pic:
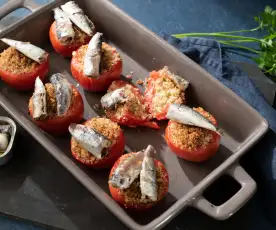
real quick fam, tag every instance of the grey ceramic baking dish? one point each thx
(142, 51)
(6, 156)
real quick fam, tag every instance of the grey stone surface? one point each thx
(34, 186)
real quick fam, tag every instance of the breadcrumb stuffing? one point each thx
(133, 194)
(165, 91)
(13, 61)
(133, 105)
(206, 114)
(51, 102)
(51, 99)
(189, 137)
(105, 127)
(139, 82)
(109, 56)
(80, 36)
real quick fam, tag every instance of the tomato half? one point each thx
(65, 50)
(25, 81)
(119, 196)
(126, 116)
(60, 124)
(102, 82)
(107, 161)
(198, 154)
(164, 96)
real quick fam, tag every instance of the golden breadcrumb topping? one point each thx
(80, 36)
(166, 92)
(189, 137)
(139, 82)
(105, 127)
(13, 61)
(51, 99)
(133, 194)
(133, 105)
(109, 56)
(51, 102)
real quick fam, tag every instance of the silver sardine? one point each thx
(94, 142)
(63, 91)
(31, 51)
(4, 142)
(181, 83)
(39, 100)
(5, 129)
(113, 98)
(148, 183)
(77, 16)
(127, 171)
(64, 27)
(188, 116)
(93, 56)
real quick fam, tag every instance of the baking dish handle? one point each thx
(227, 209)
(12, 5)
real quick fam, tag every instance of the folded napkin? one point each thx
(260, 161)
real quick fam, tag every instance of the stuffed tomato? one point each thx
(97, 143)
(164, 88)
(22, 63)
(192, 133)
(125, 104)
(71, 29)
(138, 181)
(96, 65)
(55, 105)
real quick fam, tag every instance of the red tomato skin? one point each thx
(59, 125)
(119, 198)
(149, 94)
(25, 81)
(64, 50)
(199, 155)
(114, 153)
(129, 119)
(99, 84)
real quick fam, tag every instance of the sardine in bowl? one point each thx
(6, 156)
(187, 181)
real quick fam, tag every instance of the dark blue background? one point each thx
(179, 16)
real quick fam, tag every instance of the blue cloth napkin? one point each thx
(260, 161)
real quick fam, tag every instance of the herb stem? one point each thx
(241, 47)
(216, 35)
(238, 41)
(240, 31)
(265, 55)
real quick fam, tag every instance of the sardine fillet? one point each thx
(94, 142)
(63, 91)
(39, 100)
(188, 116)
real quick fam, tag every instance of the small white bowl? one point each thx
(6, 156)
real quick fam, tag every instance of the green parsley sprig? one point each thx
(266, 55)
